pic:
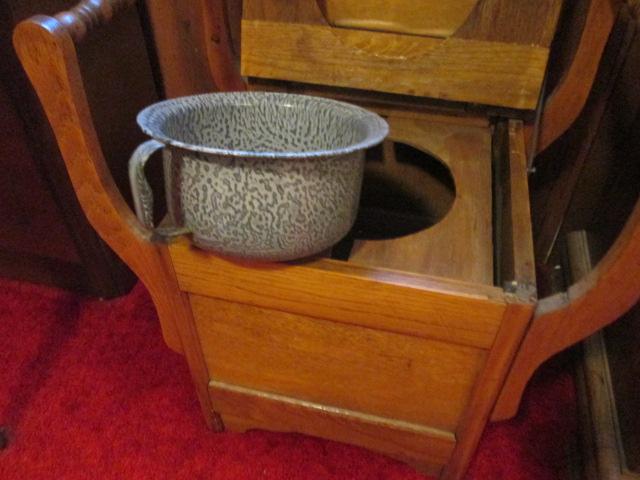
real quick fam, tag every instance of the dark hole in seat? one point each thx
(399, 197)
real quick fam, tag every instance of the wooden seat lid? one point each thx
(492, 52)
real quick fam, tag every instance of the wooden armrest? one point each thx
(45, 46)
(594, 301)
(564, 104)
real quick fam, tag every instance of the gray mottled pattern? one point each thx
(270, 206)
(263, 175)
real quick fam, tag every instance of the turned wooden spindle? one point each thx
(90, 14)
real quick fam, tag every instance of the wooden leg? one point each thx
(486, 390)
(193, 354)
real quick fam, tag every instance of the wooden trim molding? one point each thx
(596, 300)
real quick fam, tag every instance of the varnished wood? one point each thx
(567, 100)
(44, 232)
(388, 105)
(514, 249)
(605, 458)
(365, 351)
(60, 89)
(330, 289)
(491, 73)
(296, 11)
(460, 245)
(487, 387)
(523, 261)
(584, 141)
(513, 21)
(178, 31)
(47, 51)
(623, 358)
(596, 300)
(88, 14)
(431, 17)
(603, 455)
(428, 449)
(223, 64)
(337, 364)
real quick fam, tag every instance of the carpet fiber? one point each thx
(89, 390)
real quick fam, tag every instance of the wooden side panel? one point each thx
(475, 71)
(244, 408)
(380, 373)
(329, 289)
(47, 52)
(46, 48)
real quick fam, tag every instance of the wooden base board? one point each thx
(242, 409)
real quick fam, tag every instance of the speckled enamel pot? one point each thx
(259, 175)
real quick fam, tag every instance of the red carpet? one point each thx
(88, 390)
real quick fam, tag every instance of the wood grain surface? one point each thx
(460, 245)
(330, 363)
(428, 17)
(47, 51)
(515, 263)
(596, 300)
(329, 289)
(487, 387)
(566, 101)
(179, 33)
(243, 409)
(491, 73)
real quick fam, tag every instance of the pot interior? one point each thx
(262, 123)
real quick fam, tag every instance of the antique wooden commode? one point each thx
(406, 343)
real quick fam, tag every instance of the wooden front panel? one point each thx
(243, 409)
(381, 373)
(455, 312)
